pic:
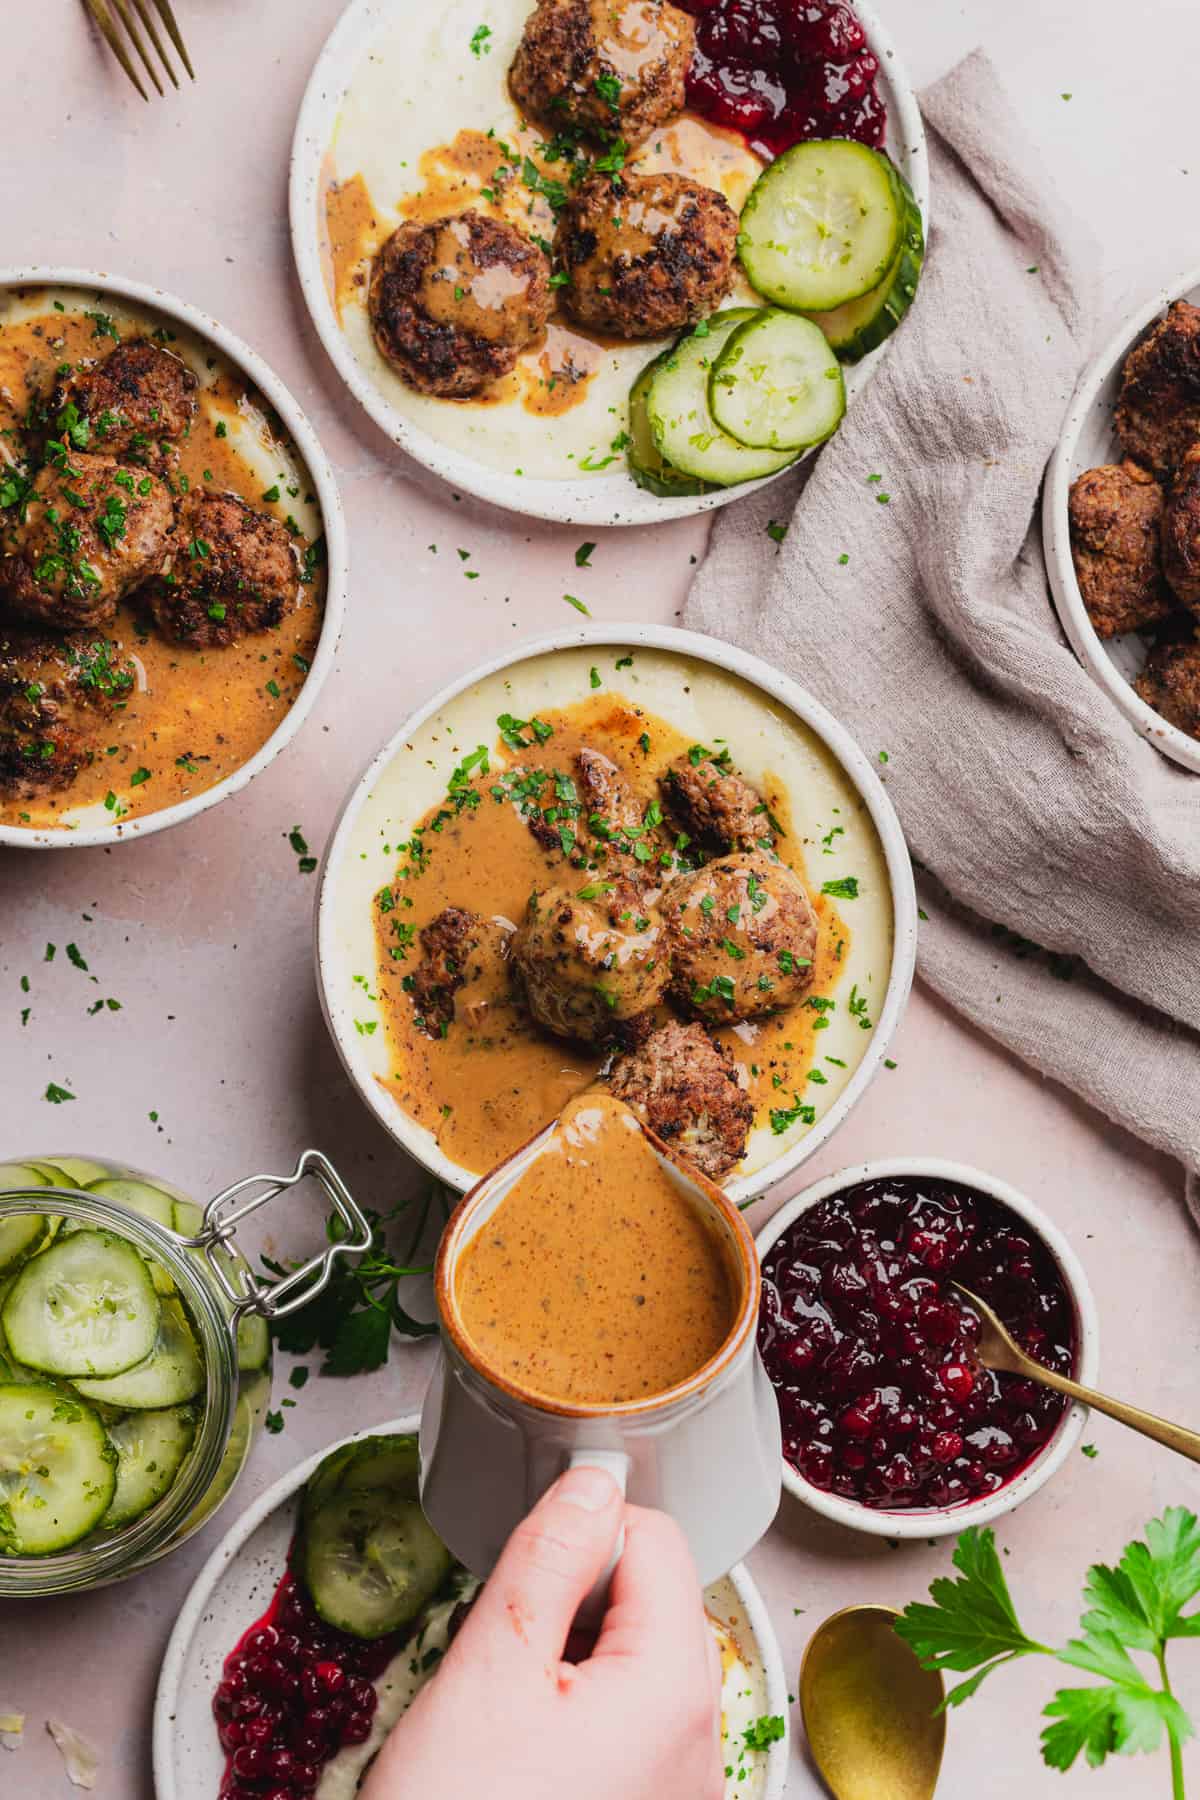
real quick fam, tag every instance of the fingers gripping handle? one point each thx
(616, 1464)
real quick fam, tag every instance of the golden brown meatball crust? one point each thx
(229, 570)
(454, 302)
(55, 692)
(90, 532)
(447, 945)
(645, 255)
(607, 67)
(1170, 683)
(1181, 531)
(136, 399)
(589, 961)
(1115, 514)
(715, 804)
(742, 935)
(685, 1087)
(1158, 412)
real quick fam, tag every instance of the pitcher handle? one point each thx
(616, 1464)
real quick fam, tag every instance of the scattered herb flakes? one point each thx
(845, 888)
(296, 839)
(775, 531)
(299, 1376)
(274, 1422)
(799, 1112)
(764, 1732)
(56, 1094)
(571, 600)
(138, 777)
(922, 914)
(1089, 1450)
(50, 950)
(479, 41)
(583, 556)
(889, 1064)
(843, 559)
(884, 757)
(75, 957)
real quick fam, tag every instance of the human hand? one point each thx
(508, 1719)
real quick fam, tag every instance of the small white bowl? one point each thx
(1088, 440)
(374, 810)
(947, 1521)
(257, 373)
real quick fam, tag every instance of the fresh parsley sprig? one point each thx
(972, 1627)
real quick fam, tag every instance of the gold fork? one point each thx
(124, 10)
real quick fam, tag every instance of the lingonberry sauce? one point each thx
(779, 71)
(871, 1352)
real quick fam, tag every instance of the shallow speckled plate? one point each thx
(606, 499)
(1088, 439)
(237, 1581)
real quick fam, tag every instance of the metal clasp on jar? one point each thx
(224, 1213)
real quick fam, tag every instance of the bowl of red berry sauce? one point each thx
(890, 1425)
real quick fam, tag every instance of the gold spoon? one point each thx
(870, 1710)
(997, 1350)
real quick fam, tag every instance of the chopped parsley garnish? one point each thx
(846, 888)
(571, 600)
(799, 1113)
(511, 730)
(583, 556)
(479, 41)
(56, 1094)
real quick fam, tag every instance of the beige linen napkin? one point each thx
(910, 596)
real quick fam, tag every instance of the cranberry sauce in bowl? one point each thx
(871, 1351)
(779, 71)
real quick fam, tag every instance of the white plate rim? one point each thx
(170, 1679)
(332, 518)
(625, 634)
(612, 500)
(1056, 535)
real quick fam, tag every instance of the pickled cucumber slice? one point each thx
(20, 1232)
(86, 1306)
(58, 1471)
(172, 1373)
(150, 1448)
(685, 433)
(148, 1202)
(79, 1171)
(823, 224)
(777, 384)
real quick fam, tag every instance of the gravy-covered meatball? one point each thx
(133, 400)
(55, 693)
(742, 935)
(715, 804)
(454, 302)
(1158, 412)
(1181, 531)
(607, 67)
(589, 961)
(686, 1089)
(646, 255)
(1170, 683)
(90, 532)
(1116, 514)
(229, 570)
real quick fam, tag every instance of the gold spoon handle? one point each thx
(1175, 1437)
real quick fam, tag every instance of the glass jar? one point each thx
(195, 1260)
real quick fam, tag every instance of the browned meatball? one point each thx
(447, 945)
(453, 303)
(610, 68)
(1170, 683)
(715, 804)
(589, 961)
(55, 693)
(1115, 514)
(90, 532)
(229, 570)
(645, 255)
(128, 404)
(685, 1087)
(742, 935)
(1158, 412)
(1181, 531)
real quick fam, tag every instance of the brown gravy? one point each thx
(596, 1280)
(196, 716)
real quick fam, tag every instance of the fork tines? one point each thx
(110, 31)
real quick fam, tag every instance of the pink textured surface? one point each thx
(203, 934)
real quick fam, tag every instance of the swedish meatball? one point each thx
(607, 67)
(645, 256)
(453, 303)
(1158, 411)
(228, 570)
(1115, 515)
(89, 534)
(1181, 531)
(685, 1087)
(447, 944)
(1170, 683)
(55, 693)
(589, 961)
(715, 804)
(133, 400)
(741, 934)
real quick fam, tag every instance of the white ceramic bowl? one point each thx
(1088, 440)
(613, 499)
(238, 1579)
(938, 1521)
(344, 941)
(256, 371)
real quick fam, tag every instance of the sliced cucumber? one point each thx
(371, 1559)
(85, 1306)
(371, 1463)
(150, 1448)
(859, 327)
(21, 1231)
(685, 432)
(79, 1171)
(648, 468)
(171, 1374)
(58, 1471)
(148, 1202)
(187, 1218)
(253, 1342)
(776, 384)
(822, 225)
